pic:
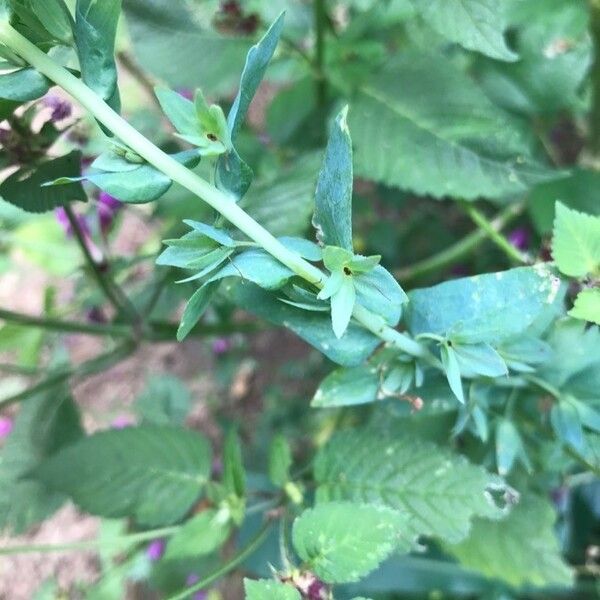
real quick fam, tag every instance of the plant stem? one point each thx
(222, 202)
(460, 249)
(133, 538)
(497, 238)
(594, 117)
(118, 300)
(231, 564)
(320, 19)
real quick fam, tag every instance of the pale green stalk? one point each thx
(217, 199)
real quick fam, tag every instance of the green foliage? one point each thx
(342, 541)
(269, 590)
(165, 400)
(587, 306)
(347, 387)
(128, 472)
(440, 492)
(23, 85)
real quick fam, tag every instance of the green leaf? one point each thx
(201, 535)
(151, 473)
(485, 308)
(576, 242)
(587, 306)
(232, 173)
(55, 17)
(264, 589)
(25, 188)
(95, 34)
(23, 85)
(479, 360)
(474, 24)
(521, 549)
(165, 400)
(422, 125)
(452, 370)
(509, 446)
(46, 423)
(342, 542)
(379, 292)
(333, 200)
(195, 308)
(347, 387)
(440, 491)
(352, 349)
(280, 460)
(234, 474)
(342, 305)
(566, 423)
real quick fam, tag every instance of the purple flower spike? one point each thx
(519, 238)
(108, 207)
(155, 550)
(6, 426)
(61, 217)
(61, 109)
(221, 346)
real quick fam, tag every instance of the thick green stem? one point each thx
(594, 118)
(231, 564)
(488, 228)
(217, 199)
(456, 252)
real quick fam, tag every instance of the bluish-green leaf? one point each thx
(379, 292)
(566, 423)
(342, 306)
(347, 387)
(269, 590)
(509, 446)
(55, 17)
(280, 460)
(479, 359)
(333, 200)
(23, 85)
(234, 474)
(195, 308)
(452, 370)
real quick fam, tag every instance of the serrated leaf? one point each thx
(485, 308)
(232, 173)
(25, 188)
(151, 473)
(342, 541)
(23, 85)
(474, 24)
(165, 400)
(352, 349)
(264, 589)
(521, 549)
(576, 242)
(280, 461)
(347, 387)
(46, 423)
(422, 125)
(95, 35)
(195, 308)
(333, 199)
(440, 491)
(201, 535)
(587, 306)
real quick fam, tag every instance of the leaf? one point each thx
(440, 491)
(201, 535)
(264, 589)
(422, 125)
(95, 34)
(479, 360)
(485, 308)
(347, 387)
(56, 18)
(46, 423)
(333, 200)
(194, 309)
(474, 24)
(165, 400)
(587, 306)
(352, 349)
(509, 446)
(342, 305)
(342, 542)
(151, 473)
(23, 85)
(25, 189)
(234, 474)
(566, 423)
(232, 173)
(280, 461)
(452, 370)
(576, 242)
(521, 549)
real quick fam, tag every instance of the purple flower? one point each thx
(186, 93)
(109, 201)
(155, 550)
(221, 346)
(107, 207)
(122, 422)
(61, 109)
(61, 217)
(6, 426)
(95, 315)
(519, 238)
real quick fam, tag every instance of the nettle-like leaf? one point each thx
(521, 549)
(474, 24)
(263, 589)
(420, 124)
(232, 173)
(45, 424)
(151, 473)
(486, 308)
(131, 182)
(25, 188)
(587, 306)
(165, 400)
(342, 541)
(23, 85)
(441, 492)
(95, 34)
